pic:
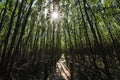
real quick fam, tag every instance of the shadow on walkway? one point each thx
(61, 72)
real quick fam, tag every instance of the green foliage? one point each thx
(94, 2)
(107, 3)
(87, 32)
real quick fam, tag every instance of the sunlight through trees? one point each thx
(34, 34)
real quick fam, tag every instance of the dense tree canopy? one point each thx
(35, 33)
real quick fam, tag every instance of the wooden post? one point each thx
(46, 74)
(71, 70)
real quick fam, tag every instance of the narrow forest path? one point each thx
(62, 72)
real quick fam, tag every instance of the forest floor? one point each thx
(62, 72)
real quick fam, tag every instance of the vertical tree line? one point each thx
(87, 34)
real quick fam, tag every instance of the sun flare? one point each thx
(54, 15)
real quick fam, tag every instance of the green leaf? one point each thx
(93, 1)
(107, 3)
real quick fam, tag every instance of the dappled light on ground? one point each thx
(62, 72)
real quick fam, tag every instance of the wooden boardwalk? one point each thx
(61, 72)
